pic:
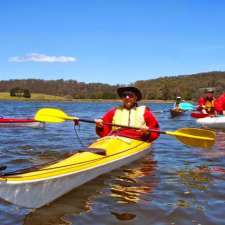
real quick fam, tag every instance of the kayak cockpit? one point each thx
(99, 151)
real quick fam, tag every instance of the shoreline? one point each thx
(80, 100)
(38, 97)
(119, 100)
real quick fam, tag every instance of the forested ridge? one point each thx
(187, 86)
(164, 88)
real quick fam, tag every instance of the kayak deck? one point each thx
(115, 148)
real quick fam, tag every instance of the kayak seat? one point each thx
(99, 151)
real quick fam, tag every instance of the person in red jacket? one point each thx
(206, 104)
(129, 114)
(220, 104)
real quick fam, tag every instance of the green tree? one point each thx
(26, 93)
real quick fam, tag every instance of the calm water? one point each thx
(174, 185)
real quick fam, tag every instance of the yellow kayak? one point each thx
(34, 189)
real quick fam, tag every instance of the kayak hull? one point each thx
(13, 122)
(212, 122)
(38, 188)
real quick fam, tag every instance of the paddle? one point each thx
(190, 136)
(160, 111)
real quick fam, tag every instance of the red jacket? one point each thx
(150, 121)
(220, 103)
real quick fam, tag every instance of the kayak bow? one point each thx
(13, 122)
(198, 115)
(212, 122)
(33, 189)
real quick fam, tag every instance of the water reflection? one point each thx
(136, 183)
(218, 150)
(134, 187)
(73, 203)
(205, 169)
(124, 216)
(128, 185)
(193, 179)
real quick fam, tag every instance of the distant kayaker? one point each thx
(206, 104)
(176, 105)
(220, 104)
(129, 114)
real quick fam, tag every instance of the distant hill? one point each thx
(164, 88)
(187, 86)
(65, 88)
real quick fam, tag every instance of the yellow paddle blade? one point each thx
(194, 137)
(52, 115)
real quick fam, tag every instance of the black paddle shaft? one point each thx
(123, 126)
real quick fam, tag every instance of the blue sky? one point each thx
(110, 41)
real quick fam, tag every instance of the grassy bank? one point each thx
(5, 96)
(34, 97)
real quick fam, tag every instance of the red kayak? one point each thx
(198, 115)
(12, 122)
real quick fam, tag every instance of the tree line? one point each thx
(189, 87)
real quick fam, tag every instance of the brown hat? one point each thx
(133, 90)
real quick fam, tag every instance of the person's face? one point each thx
(129, 100)
(209, 95)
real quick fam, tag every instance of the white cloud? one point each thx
(36, 57)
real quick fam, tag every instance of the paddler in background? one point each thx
(206, 104)
(220, 104)
(176, 105)
(129, 114)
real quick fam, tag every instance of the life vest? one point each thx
(209, 106)
(133, 117)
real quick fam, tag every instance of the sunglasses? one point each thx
(127, 95)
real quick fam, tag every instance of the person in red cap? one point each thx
(129, 114)
(206, 104)
(220, 104)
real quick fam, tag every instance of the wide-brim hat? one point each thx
(134, 90)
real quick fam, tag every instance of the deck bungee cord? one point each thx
(77, 135)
